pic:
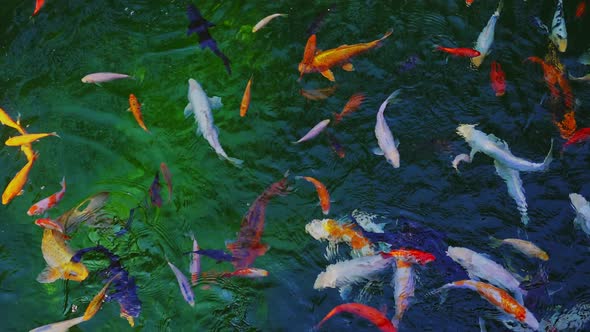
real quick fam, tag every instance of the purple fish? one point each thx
(218, 255)
(103, 77)
(314, 131)
(185, 287)
(200, 26)
(155, 191)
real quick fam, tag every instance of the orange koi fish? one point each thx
(38, 5)
(335, 232)
(459, 51)
(554, 78)
(351, 106)
(27, 139)
(49, 202)
(246, 99)
(15, 187)
(6, 120)
(322, 192)
(371, 314)
(322, 61)
(168, 177)
(96, 303)
(135, 108)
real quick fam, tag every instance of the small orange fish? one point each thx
(38, 6)
(246, 99)
(135, 108)
(468, 2)
(352, 105)
(410, 256)
(6, 120)
(322, 192)
(15, 187)
(371, 314)
(27, 139)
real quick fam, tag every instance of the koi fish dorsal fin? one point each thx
(310, 50)
(328, 74)
(48, 275)
(215, 102)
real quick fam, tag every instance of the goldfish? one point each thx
(246, 99)
(135, 108)
(38, 5)
(97, 78)
(315, 131)
(459, 51)
(154, 191)
(265, 21)
(49, 202)
(322, 61)
(6, 120)
(387, 144)
(168, 177)
(15, 186)
(247, 273)
(318, 94)
(486, 36)
(96, 303)
(351, 106)
(558, 30)
(62, 326)
(27, 149)
(582, 208)
(371, 314)
(500, 299)
(50, 224)
(581, 9)
(498, 79)
(580, 135)
(323, 193)
(195, 264)
(335, 232)
(58, 255)
(27, 138)
(528, 248)
(185, 287)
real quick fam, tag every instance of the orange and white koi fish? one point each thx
(27, 138)
(322, 192)
(249, 272)
(49, 202)
(50, 224)
(335, 232)
(246, 99)
(135, 108)
(499, 298)
(38, 5)
(15, 187)
(371, 314)
(322, 61)
(6, 120)
(58, 255)
(351, 106)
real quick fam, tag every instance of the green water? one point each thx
(102, 148)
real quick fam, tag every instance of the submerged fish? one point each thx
(528, 248)
(154, 191)
(58, 255)
(336, 146)
(103, 77)
(15, 186)
(185, 287)
(387, 144)
(323, 194)
(458, 159)
(352, 271)
(168, 177)
(200, 106)
(246, 99)
(265, 21)
(6, 120)
(96, 303)
(49, 202)
(371, 314)
(558, 30)
(582, 208)
(351, 106)
(135, 108)
(498, 150)
(27, 138)
(581, 9)
(555, 80)
(318, 94)
(317, 23)
(498, 79)
(313, 132)
(200, 26)
(459, 51)
(486, 37)
(218, 255)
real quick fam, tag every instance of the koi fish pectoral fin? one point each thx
(48, 275)
(328, 74)
(377, 151)
(348, 67)
(188, 110)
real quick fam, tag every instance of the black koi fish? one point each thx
(200, 26)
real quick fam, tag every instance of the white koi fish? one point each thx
(558, 31)
(387, 144)
(265, 21)
(200, 105)
(352, 271)
(515, 189)
(498, 149)
(480, 267)
(486, 37)
(62, 326)
(404, 284)
(582, 207)
(185, 286)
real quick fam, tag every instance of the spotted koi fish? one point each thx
(49, 202)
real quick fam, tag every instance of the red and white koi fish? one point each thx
(49, 202)
(371, 314)
(195, 264)
(323, 193)
(249, 272)
(50, 224)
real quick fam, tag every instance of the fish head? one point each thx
(85, 79)
(318, 229)
(578, 201)
(466, 131)
(75, 271)
(463, 256)
(392, 157)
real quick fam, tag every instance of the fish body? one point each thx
(200, 105)
(458, 159)
(404, 284)
(500, 299)
(15, 186)
(515, 189)
(498, 150)
(195, 264)
(97, 301)
(185, 287)
(135, 108)
(352, 271)
(498, 79)
(262, 23)
(323, 193)
(27, 138)
(200, 26)
(528, 248)
(103, 77)
(6, 120)
(248, 247)
(322, 61)
(247, 273)
(478, 266)
(582, 134)
(218, 255)
(62, 326)
(246, 99)
(154, 191)
(58, 255)
(558, 30)
(168, 177)
(555, 80)
(49, 224)
(459, 51)
(582, 208)
(313, 132)
(351, 106)
(373, 315)
(38, 5)
(486, 37)
(49, 202)
(335, 232)
(387, 144)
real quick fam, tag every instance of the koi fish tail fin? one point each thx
(441, 291)
(337, 118)
(387, 34)
(236, 162)
(548, 158)
(48, 275)
(499, 9)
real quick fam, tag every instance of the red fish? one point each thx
(351, 106)
(498, 79)
(371, 314)
(323, 194)
(336, 146)
(168, 177)
(581, 135)
(410, 256)
(460, 51)
(49, 202)
(38, 6)
(468, 2)
(555, 79)
(581, 9)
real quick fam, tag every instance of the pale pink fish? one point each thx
(314, 131)
(59, 327)
(185, 287)
(195, 264)
(103, 77)
(49, 202)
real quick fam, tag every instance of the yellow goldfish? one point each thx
(96, 303)
(27, 138)
(57, 255)
(15, 187)
(6, 120)
(322, 61)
